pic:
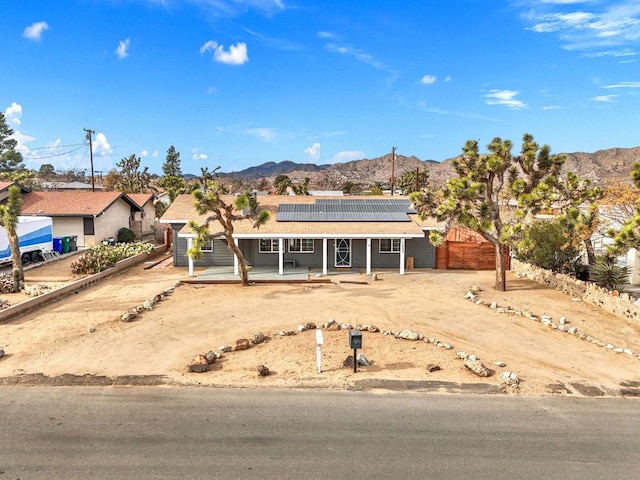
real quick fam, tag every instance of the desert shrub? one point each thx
(125, 235)
(102, 257)
(547, 244)
(605, 273)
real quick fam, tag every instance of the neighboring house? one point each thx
(73, 186)
(322, 233)
(89, 216)
(143, 222)
(4, 190)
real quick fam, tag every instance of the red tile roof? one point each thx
(141, 198)
(69, 203)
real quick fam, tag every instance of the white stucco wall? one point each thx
(69, 226)
(113, 219)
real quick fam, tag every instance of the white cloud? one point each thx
(236, 55)
(313, 152)
(144, 153)
(13, 113)
(505, 98)
(447, 78)
(604, 98)
(199, 156)
(266, 134)
(347, 156)
(359, 55)
(428, 80)
(607, 24)
(155, 153)
(123, 48)
(330, 35)
(101, 146)
(624, 85)
(35, 30)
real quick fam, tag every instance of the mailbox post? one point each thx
(319, 342)
(355, 342)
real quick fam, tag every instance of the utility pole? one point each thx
(93, 179)
(393, 169)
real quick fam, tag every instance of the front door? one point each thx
(343, 252)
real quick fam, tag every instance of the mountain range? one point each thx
(603, 167)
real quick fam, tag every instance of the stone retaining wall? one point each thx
(621, 304)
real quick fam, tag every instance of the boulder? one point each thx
(432, 367)
(241, 344)
(263, 371)
(128, 317)
(408, 335)
(211, 356)
(476, 366)
(258, 338)
(362, 360)
(199, 364)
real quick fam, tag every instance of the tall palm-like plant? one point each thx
(9, 220)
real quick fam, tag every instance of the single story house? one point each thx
(143, 222)
(323, 233)
(4, 190)
(89, 216)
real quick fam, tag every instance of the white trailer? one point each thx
(35, 236)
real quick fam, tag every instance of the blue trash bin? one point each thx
(57, 245)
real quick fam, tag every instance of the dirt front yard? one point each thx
(82, 334)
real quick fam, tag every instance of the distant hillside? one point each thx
(602, 167)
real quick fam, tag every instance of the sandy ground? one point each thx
(82, 334)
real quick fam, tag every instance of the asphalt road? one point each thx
(208, 433)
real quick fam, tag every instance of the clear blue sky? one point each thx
(237, 83)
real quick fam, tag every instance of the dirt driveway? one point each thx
(82, 335)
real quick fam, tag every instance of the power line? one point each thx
(63, 153)
(57, 146)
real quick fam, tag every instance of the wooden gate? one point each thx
(468, 256)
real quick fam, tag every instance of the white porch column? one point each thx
(189, 245)
(236, 266)
(368, 256)
(324, 256)
(281, 256)
(402, 256)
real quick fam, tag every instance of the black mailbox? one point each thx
(355, 339)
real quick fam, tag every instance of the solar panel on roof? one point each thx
(349, 211)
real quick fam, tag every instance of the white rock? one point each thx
(618, 349)
(573, 330)
(628, 351)
(500, 364)
(563, 320)
(301, 328)
(493, 305)
(461, 354)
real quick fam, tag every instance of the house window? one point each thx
(207, 246)
(389, 245)
(268, 245)
(301, 245)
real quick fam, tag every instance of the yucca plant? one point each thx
(605, 273)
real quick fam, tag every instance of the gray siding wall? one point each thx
(221, 254)
(423, 253)
(312, 260)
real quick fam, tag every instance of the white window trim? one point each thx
(301, 240)
(273, 243)
(208, 242)
(393, 241)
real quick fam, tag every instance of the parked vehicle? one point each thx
(35, 236)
